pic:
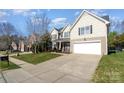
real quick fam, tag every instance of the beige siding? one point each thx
(99, 28)
(103, 44)
(67, 29)
(54, 32)
(99, 31)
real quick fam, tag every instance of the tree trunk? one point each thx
(35, 50)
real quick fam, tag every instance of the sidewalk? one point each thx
(1, 76)
(14, 54)
(21, 75)
(22, 64)
(2, 79)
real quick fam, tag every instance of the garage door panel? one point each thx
(87, 48)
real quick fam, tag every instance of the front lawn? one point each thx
(110, 69)
(5, 52)
(4, 66)
(2, 52)
(37, 58)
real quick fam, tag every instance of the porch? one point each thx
(62, 45)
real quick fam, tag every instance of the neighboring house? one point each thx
(14, 46)
(31, 40)
(61, 39)
(87, 35)
(21, 46)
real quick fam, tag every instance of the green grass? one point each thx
(37, 58)
(110, 69)
(4, 65)
(3, 52)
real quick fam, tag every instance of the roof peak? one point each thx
(94, 15)
(91, 14)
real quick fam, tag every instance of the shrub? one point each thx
(41, 47)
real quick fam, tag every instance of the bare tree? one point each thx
(7, 29)
(122, 26)
(38, 25)
(16, 39)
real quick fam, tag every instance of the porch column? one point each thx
(53, 45)
(60, 45)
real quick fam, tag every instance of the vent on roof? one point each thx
(106, 17)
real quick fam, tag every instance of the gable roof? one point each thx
(53, 29)
(59, 30)
(95, 16)
(65, 27)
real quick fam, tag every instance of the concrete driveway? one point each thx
(71, 68)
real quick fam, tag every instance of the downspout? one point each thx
(107, 27)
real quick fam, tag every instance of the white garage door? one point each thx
(91, 47)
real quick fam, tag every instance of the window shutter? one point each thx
(78, 31)
(91, 29)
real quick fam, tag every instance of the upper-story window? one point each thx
(61, 35)
(54, 37)
(66, 34)
(85, 30)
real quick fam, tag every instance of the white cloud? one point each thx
(99, 12)
(2, 14)
(59, 22)
(33, 13)
(23, 12)
(76, 13)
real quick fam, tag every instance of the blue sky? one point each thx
(58, 17)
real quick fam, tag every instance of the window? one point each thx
(66, 34)
(88, 30)
(81, 31)
(85, 30)
(61, 34)
(54, 37)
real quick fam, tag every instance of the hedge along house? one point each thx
(87, 35)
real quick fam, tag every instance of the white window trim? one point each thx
(85, 31)
(66, 34)
(54, 37)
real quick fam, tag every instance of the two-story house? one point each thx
(61, 39)
(87, 35)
